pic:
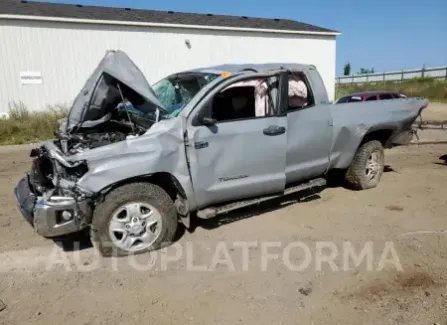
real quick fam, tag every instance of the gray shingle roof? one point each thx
(32, 8)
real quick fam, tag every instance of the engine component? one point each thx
(82, 142)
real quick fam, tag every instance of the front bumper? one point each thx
(26, 199)
(45, 214)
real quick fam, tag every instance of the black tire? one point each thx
(356, 176)
(143, 192)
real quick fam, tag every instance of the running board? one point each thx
(211, 212)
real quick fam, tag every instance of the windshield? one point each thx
(175, 91)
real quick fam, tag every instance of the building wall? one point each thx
(66, 53)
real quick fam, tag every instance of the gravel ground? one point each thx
(402, 221)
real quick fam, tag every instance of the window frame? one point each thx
(205, 103)
(310, 94)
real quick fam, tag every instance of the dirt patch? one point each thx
(394, 208)
(395, 285)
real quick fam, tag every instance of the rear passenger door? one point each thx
(309, 137)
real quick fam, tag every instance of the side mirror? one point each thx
(204, 115)
(208, 121)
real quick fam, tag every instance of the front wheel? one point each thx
(134, 218)
(367, 166)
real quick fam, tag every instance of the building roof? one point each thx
(73, 11)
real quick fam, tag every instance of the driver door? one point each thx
(237, 158)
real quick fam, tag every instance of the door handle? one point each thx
(200, 144)
(274, 130)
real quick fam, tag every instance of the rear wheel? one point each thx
(134, 218)
(367, 166)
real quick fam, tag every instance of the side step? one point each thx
(211, 212)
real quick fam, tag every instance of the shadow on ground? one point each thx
(256, 210)
(74, 242)
(444, 159)
(81, 240)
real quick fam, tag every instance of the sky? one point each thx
(381, 34)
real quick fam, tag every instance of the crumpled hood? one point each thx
(118, 65)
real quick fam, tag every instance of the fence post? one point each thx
(423, 71)
(445, 72)
(402, 75)
(384, 77)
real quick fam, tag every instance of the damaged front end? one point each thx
(102, 133)
(115, 104)
(48, 196)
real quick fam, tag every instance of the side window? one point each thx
(386, 96)
(300, 92)
(252, 98)
(371, 98)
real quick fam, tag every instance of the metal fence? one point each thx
(436, 72)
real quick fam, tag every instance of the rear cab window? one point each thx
(299, 91)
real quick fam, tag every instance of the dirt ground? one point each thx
(435, 112)
(402, 221)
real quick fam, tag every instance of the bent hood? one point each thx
(118, 65)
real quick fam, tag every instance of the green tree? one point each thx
(347, 69)
(366, 71)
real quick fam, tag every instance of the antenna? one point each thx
(125, 108)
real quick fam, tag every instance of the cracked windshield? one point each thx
(177, 91)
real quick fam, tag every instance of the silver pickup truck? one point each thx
(132, 161)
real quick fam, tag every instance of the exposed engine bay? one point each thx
(108, 133)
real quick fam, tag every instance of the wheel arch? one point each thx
(168, 182)
(353, 144)
(383, 135)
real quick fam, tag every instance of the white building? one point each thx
(48, 50)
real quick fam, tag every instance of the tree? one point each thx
(366, 71)
(347, 69)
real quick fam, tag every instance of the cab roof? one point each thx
(235, 68)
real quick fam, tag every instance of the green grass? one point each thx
(433, 89)
(24, 126)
